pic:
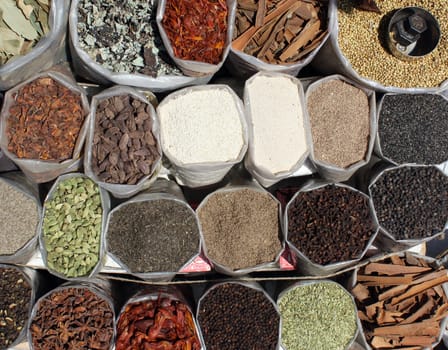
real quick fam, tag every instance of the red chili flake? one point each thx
(197, 29)
(44, 122)
(161, 324)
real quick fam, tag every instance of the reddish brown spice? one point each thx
(196, 28)
(72, 318)
(161, 324)
(45, 120)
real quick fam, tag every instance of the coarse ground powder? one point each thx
(359, 42)
(201, 126)
(153, 236)
(278, 139)
(19, 217)
(240, 228)
(412, 128)
(340, 123)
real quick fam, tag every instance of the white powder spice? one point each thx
(278, 134)
(201, 126)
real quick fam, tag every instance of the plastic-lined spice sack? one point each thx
(158, 318)
(154, 235)
(119, 43)
(412, 128)
(278, 136)
(402, 302)
(411, 203)
(277, 35)
(203, 132)
(44, 124)
(17, 294)
(33, 38)
(123, 149)
(236, 315)
(72, 227)
(400, 46)
(20, 212)
(329, 227)
(242, 231)
(74, 316)
(197, 34)
(342, 120)
(317, 315)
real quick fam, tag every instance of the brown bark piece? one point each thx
(388, 269)
(388, 317)
(361, 292)
(418, 328)
(419, 288)
(306, 35)
(261, 13)
(396, 260)
(385, 280)
(381, 343)
(243, 39)
(424, 310)
(420, 340)
(306, 11)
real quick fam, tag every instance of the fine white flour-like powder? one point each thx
(278, 135)
(201, 126)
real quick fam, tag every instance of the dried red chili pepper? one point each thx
(161, 324)
(197, 29)
(44, 121)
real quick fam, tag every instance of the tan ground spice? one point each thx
(241, 228)
(340, 125)
(358, 41)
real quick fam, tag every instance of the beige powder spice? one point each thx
(340, 125)
(240, 228)
(359, 43)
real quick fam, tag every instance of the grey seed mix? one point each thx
(72, 227)
(340, 123)
(412, 128)
(153, 236)
(359, 43)
(240, 228)
(122, 36)
(317, 316)
(19, 218)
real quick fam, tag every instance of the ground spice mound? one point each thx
(359, 43)
(241, 228)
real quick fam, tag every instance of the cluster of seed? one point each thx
(411, 202)
(235, 317)
(317, 316)
(72, 227)
(360, 43)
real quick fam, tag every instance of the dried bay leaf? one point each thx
(26, 9)
(16, 20)
(10, 42)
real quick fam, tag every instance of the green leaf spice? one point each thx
(72, 227)
(22, 24)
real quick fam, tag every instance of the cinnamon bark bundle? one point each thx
(280, 32)
(401, 302)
